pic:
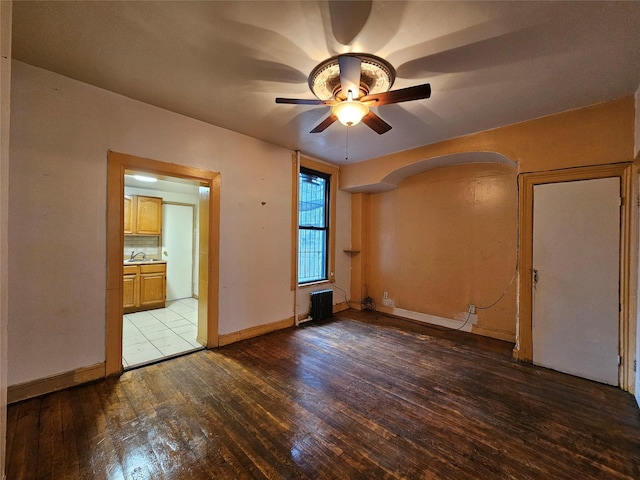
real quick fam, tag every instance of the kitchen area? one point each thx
(159, 269)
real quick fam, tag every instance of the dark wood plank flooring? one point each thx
(362, 397)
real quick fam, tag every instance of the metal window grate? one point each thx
(313, 226)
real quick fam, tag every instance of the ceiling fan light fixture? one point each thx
(350, 113)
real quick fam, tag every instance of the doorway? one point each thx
(627, 280)
(576, 268)
(208, 225)
(168, 328)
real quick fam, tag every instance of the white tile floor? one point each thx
(152, 335)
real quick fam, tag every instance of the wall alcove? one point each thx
(440, 234)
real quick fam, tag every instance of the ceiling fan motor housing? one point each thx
(376, 76)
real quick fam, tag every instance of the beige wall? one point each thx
(598, 134)
(61, 132)
(5, 96)
(444, 239)
(594, 135)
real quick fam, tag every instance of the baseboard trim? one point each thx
(340, 307)
(498, 334)
(42, 386)
(459, 323)
(430, 319)
(228, 338)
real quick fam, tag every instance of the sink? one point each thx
(142, 260)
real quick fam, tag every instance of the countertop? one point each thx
(143, 262)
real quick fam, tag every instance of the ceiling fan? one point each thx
(352, 83)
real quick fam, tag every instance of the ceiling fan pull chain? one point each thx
(346, 150)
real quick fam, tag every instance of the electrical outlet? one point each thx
(472, 309)
(385, 295)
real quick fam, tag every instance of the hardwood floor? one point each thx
(347, 399)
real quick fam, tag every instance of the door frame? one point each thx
(628, 275)
(117, 165)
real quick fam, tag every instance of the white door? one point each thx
(177, 249)
(576, 261)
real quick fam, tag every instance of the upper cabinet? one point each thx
(128, 214)
(149, 216)
(142, 215)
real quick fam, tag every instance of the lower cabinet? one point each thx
(144, 287)
(153, 285)
(131, 287)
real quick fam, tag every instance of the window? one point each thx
(313, 226)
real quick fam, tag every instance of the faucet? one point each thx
(134, 255)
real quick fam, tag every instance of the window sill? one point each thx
(314, 284)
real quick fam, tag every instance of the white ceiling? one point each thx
(488, 63)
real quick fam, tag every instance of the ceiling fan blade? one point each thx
(375, 123)
(416, 92)
(350, 74)
(322, 126)
(301, 101)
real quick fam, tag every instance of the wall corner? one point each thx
(5, 98)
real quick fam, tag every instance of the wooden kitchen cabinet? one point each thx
(153, 285)
(131, 287)
(149, 216)
(128, 214)
(144, 287)
(142, 215)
